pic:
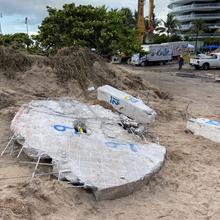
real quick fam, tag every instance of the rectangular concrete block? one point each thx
(206, 128)
(127, 104)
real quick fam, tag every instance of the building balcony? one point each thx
(207, 35)
(191, 17)
(176, 2)
(196, 7)
(189, 26)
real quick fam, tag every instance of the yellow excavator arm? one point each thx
(140, 22)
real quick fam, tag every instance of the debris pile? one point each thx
(74, 72)
(91, 146)
(90, 70)
(87, 146)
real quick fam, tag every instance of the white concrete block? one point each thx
(204, 127)
(127, 104)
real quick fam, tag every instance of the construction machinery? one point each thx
(141, 23)
(151, 17)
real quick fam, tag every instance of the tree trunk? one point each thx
(196, 49)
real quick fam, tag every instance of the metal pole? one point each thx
(26, 22)
(0, 23)
(20, 151)
(12, 138)
(35, 169)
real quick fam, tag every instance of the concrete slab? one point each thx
(204, 127)
(87, 146)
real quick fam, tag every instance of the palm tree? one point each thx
(197, 28)
(170, 26)
(156, 23)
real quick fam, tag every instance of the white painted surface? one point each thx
(106, 159)
(127, 104)
(204, 127)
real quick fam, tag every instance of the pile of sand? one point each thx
(70, 72)
(87, 68)
(6, 99)
(13, 61)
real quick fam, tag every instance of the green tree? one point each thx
(170, 25)
(17, 40)
(21, 40)
(129, 18)
(163, 38)
(197, 28)
(93, 27)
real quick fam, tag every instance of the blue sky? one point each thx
(15, 11)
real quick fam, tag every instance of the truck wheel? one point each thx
(143, 64)
(205, 66)
(196, 67)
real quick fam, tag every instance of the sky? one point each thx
(15, 11)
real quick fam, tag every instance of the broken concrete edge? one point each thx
(127, 189)
(205, 127)
(105, 194)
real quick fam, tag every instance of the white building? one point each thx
(186, 11)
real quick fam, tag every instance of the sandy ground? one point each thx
(188, 186)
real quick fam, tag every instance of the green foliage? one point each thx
(17, 40)
(198, 26)
(170, 26)
(163, 38)
(93, 27)
(210, 41)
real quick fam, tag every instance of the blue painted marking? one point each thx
(114, 101)
(116, 145)
(133, 99)
(216, 123)
(63, 128)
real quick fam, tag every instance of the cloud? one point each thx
(35, 10)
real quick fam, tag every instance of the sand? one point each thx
(186, 188)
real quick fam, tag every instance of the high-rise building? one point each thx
(186, 11)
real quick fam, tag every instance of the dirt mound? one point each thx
(87, 68)
(13, 61)
(39, 199)
(6, 99)
(70, 73)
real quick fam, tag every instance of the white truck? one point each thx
(206, 62)
(178, 48)
(155, 54)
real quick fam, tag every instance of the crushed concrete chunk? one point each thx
(204, 127)
(127, 104)
(87, 146)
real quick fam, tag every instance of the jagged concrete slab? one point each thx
(206, 128)
(87, 146)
